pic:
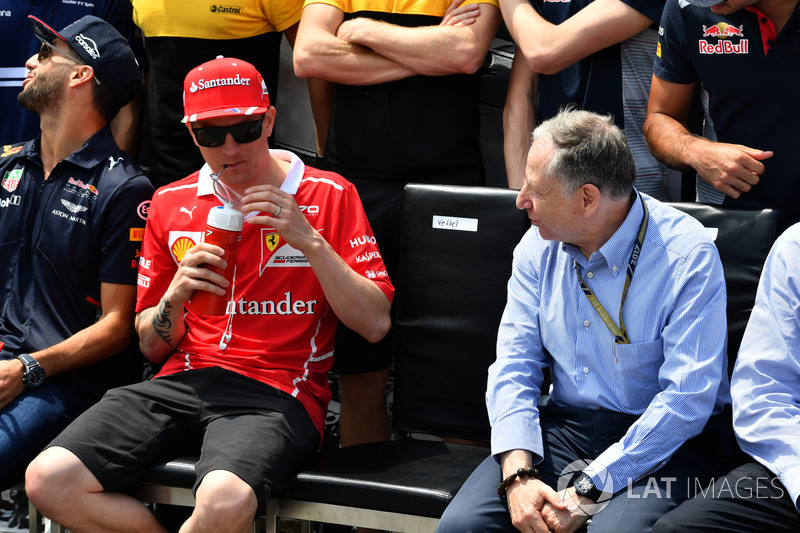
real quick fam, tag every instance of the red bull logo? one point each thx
(729, 31)
(713, 31)
(723, 30)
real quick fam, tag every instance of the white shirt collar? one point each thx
(205, 185)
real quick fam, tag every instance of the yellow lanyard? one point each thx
(620, 333)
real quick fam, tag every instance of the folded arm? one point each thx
(550, 48)
(546, 48)
(364, 51)
(320, 53)
(428, 50)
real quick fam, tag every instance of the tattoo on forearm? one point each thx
(161, 321)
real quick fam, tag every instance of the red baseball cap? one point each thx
(222, 87)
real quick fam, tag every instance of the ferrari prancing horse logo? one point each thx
(272, 240)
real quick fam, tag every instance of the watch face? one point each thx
(35, 376)
(584, 483)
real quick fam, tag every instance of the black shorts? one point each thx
(232, 422)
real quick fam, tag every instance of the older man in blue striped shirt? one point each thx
(623, 298)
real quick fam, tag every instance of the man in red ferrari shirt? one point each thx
(247, 390)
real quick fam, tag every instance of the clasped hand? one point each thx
(537, 508)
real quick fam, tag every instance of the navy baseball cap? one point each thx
(101, 47)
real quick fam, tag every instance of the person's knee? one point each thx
(461, 516)
(53, 475)
(451, 524)
(225, 500)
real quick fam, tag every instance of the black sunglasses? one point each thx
(46, 51)
(242, 133)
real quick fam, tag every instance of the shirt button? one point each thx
(615, 268)
(586, 323)
(586, 370)
(590, 275)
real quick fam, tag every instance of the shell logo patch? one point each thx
(181, 241)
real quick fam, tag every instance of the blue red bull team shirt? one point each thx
(60, 238)
(749, 73)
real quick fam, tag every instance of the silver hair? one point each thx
(590, 148)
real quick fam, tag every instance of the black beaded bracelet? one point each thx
(531, 471)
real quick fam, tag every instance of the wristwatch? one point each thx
(585, 487)
(34, 374)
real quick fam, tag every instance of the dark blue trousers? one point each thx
(750, 499)
(31, 421)
(579, 434)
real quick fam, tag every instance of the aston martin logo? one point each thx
(75, 208)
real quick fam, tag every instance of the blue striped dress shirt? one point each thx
(766, 379)
(673, 375)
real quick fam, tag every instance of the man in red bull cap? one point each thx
(72, 214)
(247, 391)
(743, 57)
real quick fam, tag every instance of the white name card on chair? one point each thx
(455, 223)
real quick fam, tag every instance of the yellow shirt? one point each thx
(207, 19)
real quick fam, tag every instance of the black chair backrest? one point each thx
(454, 267)
(743, 237)
(457, 246)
